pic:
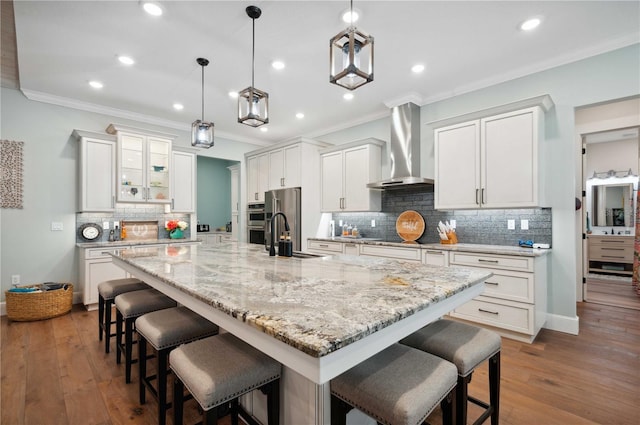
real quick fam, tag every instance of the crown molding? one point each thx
(412, 97)
(362, 120)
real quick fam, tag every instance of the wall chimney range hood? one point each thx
(404, 150)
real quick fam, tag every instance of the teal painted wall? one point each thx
(214, 191)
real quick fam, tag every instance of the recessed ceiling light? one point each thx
(530, 24)
(96, 84)
(299, 115)
(348, 18)
(264, 129)
(277, 65)
(152, 8)
(126, 60)
(418, 68)
(233, 94)
(347, 96)
(178, 106)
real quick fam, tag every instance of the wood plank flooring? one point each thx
(55, 372)
(612, 292)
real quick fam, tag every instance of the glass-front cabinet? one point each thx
(144, 168)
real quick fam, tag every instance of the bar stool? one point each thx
(164, 330)
(398, 386)
(130, 306)
(219, 369)
(107, 291)
(466, 346)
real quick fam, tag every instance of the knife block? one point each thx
(451, 239)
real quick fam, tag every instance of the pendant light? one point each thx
(351, 57)
(201, 130)
(253, 104)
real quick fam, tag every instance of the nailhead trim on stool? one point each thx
(219, 369)
(130, 306)
(398, 386)
(466, 346)
(164, 330)
(107, 291)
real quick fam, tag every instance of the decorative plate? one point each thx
(90, 232)
(410, 225)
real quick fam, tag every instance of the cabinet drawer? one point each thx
(493, 261)
(512, 316)
(436, 258)
(508, 285)
(102, 252)
(398, 253)
(351, 249)
(325, 246)
(613, 253)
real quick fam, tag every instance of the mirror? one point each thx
(611, 201)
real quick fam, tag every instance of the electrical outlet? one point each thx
(340, 223)
(56, 226)
(452, 223)
(373, 223)
(511, 224)
(105, 225)
(524, 224)
(116, 224)
(15, 279)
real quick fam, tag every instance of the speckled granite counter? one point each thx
(117, 244)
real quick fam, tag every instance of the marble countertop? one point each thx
(461, 247)
(116, 244)
(316, 305)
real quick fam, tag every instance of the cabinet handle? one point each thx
(482, 198)
(491, 283)
(255, 196)
(613, 256)
(323, 246)
(611, 241)
(281, 181)
(612, 249)
(488, 311)
(173, 203)
(477, 200)
(482, 260)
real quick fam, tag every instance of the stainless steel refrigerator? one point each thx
(287, 201)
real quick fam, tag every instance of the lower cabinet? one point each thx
(325, 247)
(514, 301)
(435, 258)
(394, 252)
(96, 267)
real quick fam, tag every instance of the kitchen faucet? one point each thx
(272, 250)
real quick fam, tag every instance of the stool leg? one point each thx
(128, 346)
(178, 400)
(234, 411)
(448, 405)
(162, 384)
(339, 410)
(273, 403)
(210, 417)
(100, 316)
(142, 367)
(118, 336)
(494, 387)
(107, 324)
(462, 399)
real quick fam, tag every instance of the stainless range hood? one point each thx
(404, 150)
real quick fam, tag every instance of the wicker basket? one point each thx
(27, 306)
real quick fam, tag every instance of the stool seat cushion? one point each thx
(109, 289)
(400, 385)
(464, 345)
(136, 303)
(221, 368)
(173, 326)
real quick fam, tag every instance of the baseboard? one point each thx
(555, 322)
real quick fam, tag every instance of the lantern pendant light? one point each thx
(351, 57)
(202, 131)
(253, 104)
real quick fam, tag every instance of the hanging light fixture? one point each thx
(201, 130)
(253, 104)
(351, 57)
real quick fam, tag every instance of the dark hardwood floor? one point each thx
(55, 372)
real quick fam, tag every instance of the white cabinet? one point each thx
(144, 165)
(284, 167)
(96, 267)
(394, 252)
(345, 172)
(96, 172)
(235, 197)
(325, 247)
(514, 301)
(183, 182)
(435, 257)
(257, 177)
(491, 162)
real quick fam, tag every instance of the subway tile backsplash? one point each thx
(473, 226)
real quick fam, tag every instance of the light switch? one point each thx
(511, 224)
(524, 224)
(105, 225)
(452, 223)
(56, 226)
(373, 223)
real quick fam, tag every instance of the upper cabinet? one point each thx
(97, 165)
(345, 171)
(183, 182)
(143, 165)
(491, 161)
(284, 167)
(257, 177)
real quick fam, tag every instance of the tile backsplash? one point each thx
(473, 226)
(132, 212)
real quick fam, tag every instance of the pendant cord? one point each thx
(253, 53)
(203, 93)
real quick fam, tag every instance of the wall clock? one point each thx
(90, 232)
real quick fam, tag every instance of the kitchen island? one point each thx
(317, 316)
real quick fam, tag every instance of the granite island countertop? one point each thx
(136, 243)
(316, 305)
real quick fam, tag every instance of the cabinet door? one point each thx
(252, 179)
(263, 176)
(276, 169)
(509, 158)
(183, 182)
(292, 166)
(457, 160)
(356, 177)
(97, 175)
(131, 168)
(158, 170)
(97, 271)
(235, 189)
(331, 181)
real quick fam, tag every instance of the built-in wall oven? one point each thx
(256, 223)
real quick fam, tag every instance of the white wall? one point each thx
(27, 245)
(620, 155)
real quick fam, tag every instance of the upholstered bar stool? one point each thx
(219, 369)
(164, 330)
(107, 291)
(466, 346)
(398, 386)
(129, 307)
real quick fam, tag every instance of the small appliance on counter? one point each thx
(202, 228)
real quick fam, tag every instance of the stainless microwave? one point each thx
(256, 215)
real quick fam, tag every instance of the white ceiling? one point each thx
(465, 45)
